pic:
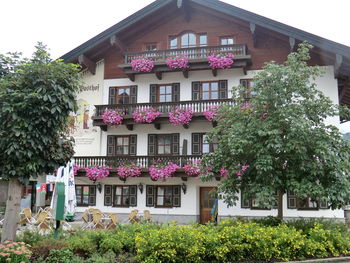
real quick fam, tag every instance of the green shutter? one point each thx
(150, 195)
(92, 195)
(108, 201)
(110, 145)
(196, 90)
(197, 143)
(176, 196)
(111, 98)
(133, 94)
(152, 144)
(153, 93)
(223, 89)
(176, 92)
(133, 145)
(175, 144)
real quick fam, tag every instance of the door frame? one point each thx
(200, 196)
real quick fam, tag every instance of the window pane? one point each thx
(184, 40)
(168, 98)
(162, 98)
(206, 148)
(173, 42)
(160, 190)
(126, 149)
(168, 200)
(78, 199)
(160, 200)
(205, 96)
(214, 95)
(162, 89)
(125, 190)
(168, 89)
(125, 200)
(118, 190)
(230, 41)
(160, 150)
(205, 86)
(119, 149)
(167, 139)
(120, 140)
(86, 199)
(167, 149)
(214, 86)
(192, 40)
(203, 40)
(118, 200)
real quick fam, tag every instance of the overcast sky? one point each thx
(64, 24)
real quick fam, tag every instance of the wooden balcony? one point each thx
(198, 107)
(197, 59)
(143, 161)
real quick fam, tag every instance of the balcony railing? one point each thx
(197, 106)
(239, 50)
(142, 161)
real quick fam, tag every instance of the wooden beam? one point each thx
(185, 73)
(215, 72)
(103, 127)
(186, 126)
(157, 126)
(338, 63)
(130, 127)
(89, 64)
(183, 178)
(131, 76)
(116, 42)
(252, 28)
(292, 44)
(159, 75)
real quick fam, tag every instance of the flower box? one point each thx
(146, 115)
(112, 117)
(179, 62)
(181, 116)
(142, 64)
(162, 171)
(220, 61)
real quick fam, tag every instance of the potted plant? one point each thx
(96, 173)
(162, 171)
(113, 117)
(211, 113)
(145, 115)
(181, 116)
(178, 62)
(128, 170)
(220, 61)
(142, 64)
(193, 168)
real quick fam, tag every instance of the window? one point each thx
(151, 47)
(253, 204)
(120, 195)
(188, 40)
(163, 196)
(209, 90)
(227, 41)
(201, 145)
(163, 144)
(165, 92)
(122, 95)
(86, 195)
(308, 203)
(248, 85)
(203, 40)
(121, 145)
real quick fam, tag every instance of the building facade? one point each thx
(166, 29)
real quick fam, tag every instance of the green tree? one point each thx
(279, 141)
(36, 97)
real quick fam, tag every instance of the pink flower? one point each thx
(211, 113)
(142, 64)
(181, 116)
(193, 168)
(224, 173)
(180, 61)
(245, 167)
(160, 171)
(239, 173)
(112, 117)
(264, 115)
(145, 115)
(246, 106)
(125, 171)
(220, 61)
(96, 173)
(76, 169)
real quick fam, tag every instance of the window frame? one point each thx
(251, 203)
(154, 196)
(90, 195)
(201, 143)
(146, 45)
(113, 95)
(132, 147)
(179, 40)
(122, 195)
(221, 38)
(173, 144)
(248, 84)
(222, 89)
(297, 200)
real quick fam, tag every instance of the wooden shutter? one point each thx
(223, 89)
(176, 196)
(111, 98)
(323, 204)
(150, 195)
(108, 200)
(153, 93)
(92, 195)
(175, 144)
(176, 92)
(245, 202)
(292, 200)
(197, 143)
(152, 144)
(133, 94)
(196, 90)
(132, 145)
(110, 145)
(133, 195)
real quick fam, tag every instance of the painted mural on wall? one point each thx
(87, 137)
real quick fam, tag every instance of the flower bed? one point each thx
(162, 171)
(142, 64)
(96, 173)
(112, 117)
(179, 62)
(146, 115)
(220, 61)
(15, 252)
(125, 171)
(181, 116)
(193, 168)
(211, 113)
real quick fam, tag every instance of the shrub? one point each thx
(44, 246)
(268, 221)
(15, 252)
(60, 256)
(84, 243)
(30, 237)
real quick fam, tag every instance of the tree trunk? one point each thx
(12, 210)
(280, 205)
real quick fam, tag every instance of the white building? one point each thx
(168, 28)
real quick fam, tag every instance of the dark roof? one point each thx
(217, 5)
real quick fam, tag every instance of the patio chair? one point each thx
(86, 217)
(114, 221)
(147, 216)
(27, 217)
(42, 221)
(133, 218)
(97, 222)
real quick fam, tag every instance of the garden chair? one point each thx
(97, 222)
(133, 218)
(114, 221)
(86, 217)
(27, 217)
(147, 216)
(42, 221)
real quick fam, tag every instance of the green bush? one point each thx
(44, 246)
(60, 256)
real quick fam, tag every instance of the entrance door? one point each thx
(206, 204)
